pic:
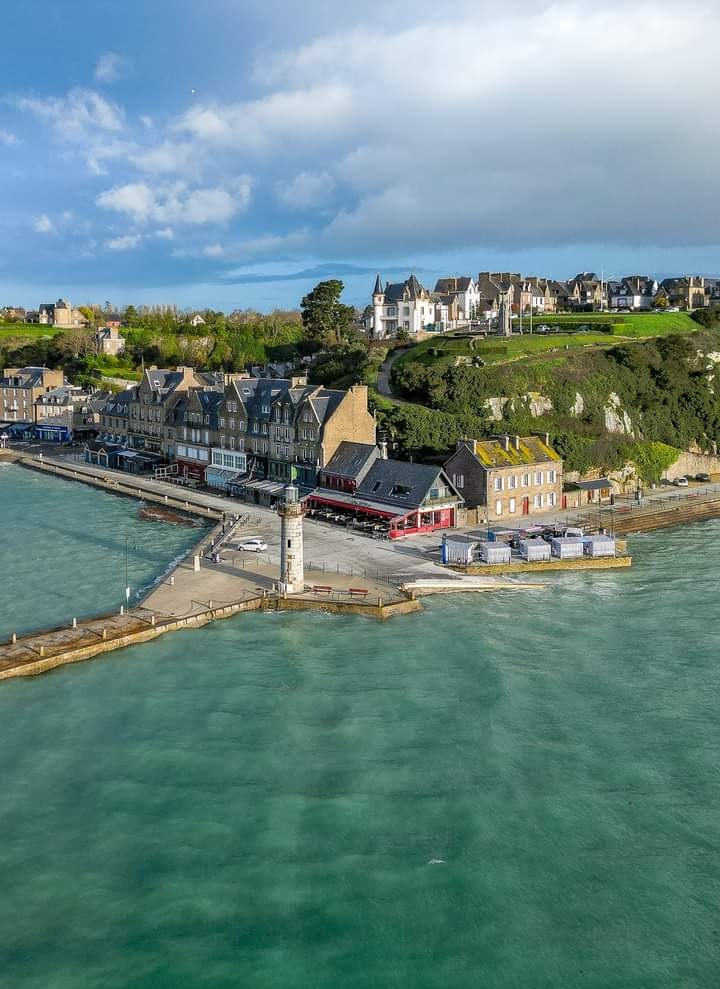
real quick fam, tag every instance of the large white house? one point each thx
(464, 290)
(634, 292)
(404, 306)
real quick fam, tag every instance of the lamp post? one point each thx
(127, 584)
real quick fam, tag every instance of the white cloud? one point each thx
(177, 203)
(43, 224)
(166, 233)
(79, 112)
(124, 243)
(165, 158)
(109, 67)
(8, 138)
(213, 251)
(307, 190)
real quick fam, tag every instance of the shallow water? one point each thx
(62, 550)
(507, 790)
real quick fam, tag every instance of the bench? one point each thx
(321, 589)
(358, 592)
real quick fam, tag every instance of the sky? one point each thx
(232, 153)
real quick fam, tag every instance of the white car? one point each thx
(256, 545)
(680, 482)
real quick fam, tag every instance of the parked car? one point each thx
(702, 477)
(665, 481)
(681, 482)
(256, 545)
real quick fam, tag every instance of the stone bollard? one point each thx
(210, 604)
(74, 624)
(196, 563)
(152, 620)
(172, 580)
(42, 651)
(166, 499)
(379, 602)
(13, 638)
(104, 633)
(122, 609)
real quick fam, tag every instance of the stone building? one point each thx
(406, 306)
(507, 477)
(60, 313)
(19, 389)
(109, 341)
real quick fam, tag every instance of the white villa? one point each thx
(401, 306)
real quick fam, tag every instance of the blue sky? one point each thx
(230, 153)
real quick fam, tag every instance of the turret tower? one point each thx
(378, 301)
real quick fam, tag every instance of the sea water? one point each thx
(64, 547)
(507, 791)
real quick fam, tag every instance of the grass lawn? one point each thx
(29, 331)
(441, 351)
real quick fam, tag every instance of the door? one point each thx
(526, 506)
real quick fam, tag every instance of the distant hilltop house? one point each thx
(112, 319)
(406, 306)
(463, 291)
(13, 313)
(196, 320)
(688, 292)
(60, 313)
(633, 292)
(509, 476)
(109, 341)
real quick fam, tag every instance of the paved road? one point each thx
(383, 380)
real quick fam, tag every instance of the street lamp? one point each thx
(127, 583)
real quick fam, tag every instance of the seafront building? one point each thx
(509, 476)
(19, 389)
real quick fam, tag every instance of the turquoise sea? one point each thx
(507, 791)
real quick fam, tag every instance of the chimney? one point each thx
(465, 442)
(506, 442)
(547, 439)
(517, 442)
(383, 450)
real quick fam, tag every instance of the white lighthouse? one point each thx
(292, 573)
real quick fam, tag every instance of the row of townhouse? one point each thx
(249, 435)
(38, 401)
(410, 308)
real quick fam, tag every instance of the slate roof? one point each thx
(531, 450)
(385, 477)
(409, 290)
(352, 460)
(447, 286)
(30, 377)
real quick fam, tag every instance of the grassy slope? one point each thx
(27, 331)
(441, 351)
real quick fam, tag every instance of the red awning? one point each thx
(359, 506)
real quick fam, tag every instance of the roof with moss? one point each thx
(521, 451)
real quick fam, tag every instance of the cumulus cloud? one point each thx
(79, 112)
(213, 251)
(307, 190)
(177, 203)
(8, 138)
(125, 243)
(109, 67)
(43, 224)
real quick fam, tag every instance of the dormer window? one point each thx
(266, 409)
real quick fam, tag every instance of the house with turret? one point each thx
(406, 306)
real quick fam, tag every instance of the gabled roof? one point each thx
(399, 483)
(530, 450)
(446, 286)
(408, 291)
(352, 460)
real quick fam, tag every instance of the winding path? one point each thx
(383, 378)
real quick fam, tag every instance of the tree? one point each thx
(131, 316)
(326, 320)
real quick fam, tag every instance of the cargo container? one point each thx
(565, 548)
(597, 546)
(533, 550)
(495, 552)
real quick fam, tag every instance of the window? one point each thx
(538, 477)
(232, 442)
(537, 501)
(511, 506)
(376, 486)
(241, 425)
(512, 482)
(228, 460)
(231, 424)
(266, 410)
(551, 499)
(222, 422)
(551, 475)
(399, 491)
(222, 441)
(498, 484)
(498, 507)
(458, 480)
